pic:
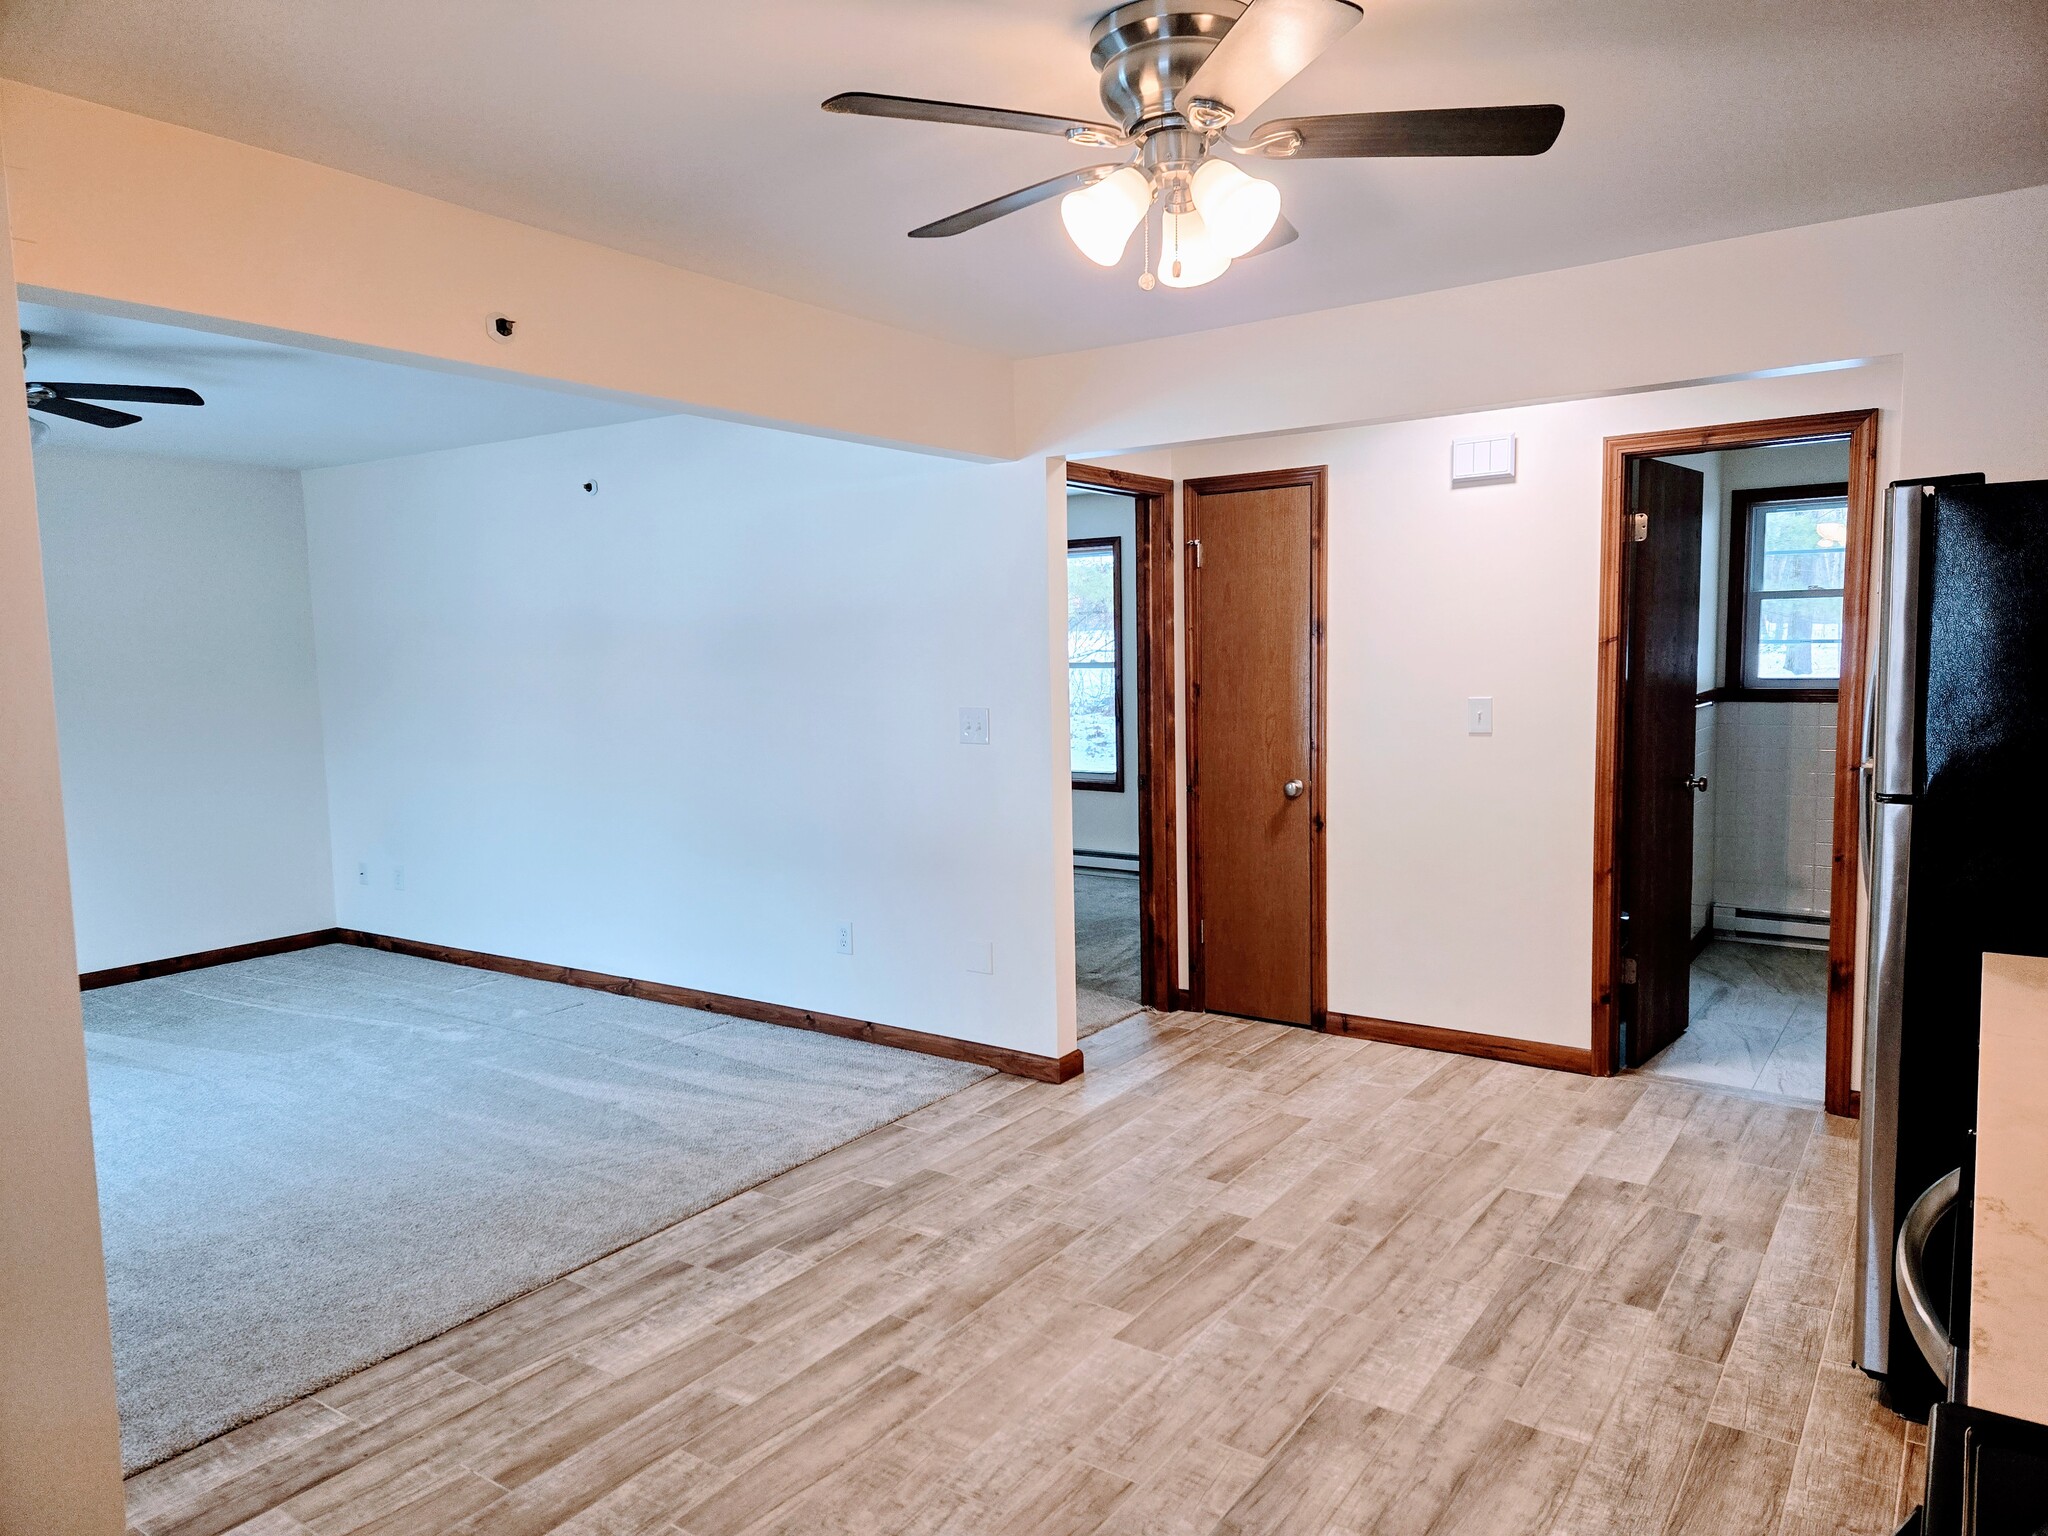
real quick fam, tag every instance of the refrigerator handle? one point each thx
(1891, 840)
(1891, 731)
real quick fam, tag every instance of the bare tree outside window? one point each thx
(1793, 633)
(1095, 677)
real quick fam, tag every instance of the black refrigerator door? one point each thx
(1980, 820)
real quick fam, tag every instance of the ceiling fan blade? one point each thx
(917, 110)
(1271, 43)
(78, 410)
(1010, 202)
(1449, 131)
(1283, 233)
(153, 394)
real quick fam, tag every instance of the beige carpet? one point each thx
(311, 1161)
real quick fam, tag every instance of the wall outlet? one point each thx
(1479, 717)
(398, 877)
(973, 727)
(842, 939)
(362, 874)
(981, 957)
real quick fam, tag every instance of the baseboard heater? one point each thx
(1818, 919)
(1104, 853)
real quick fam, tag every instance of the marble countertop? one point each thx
(2009, 1263)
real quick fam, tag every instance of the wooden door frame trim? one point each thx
(1860, 427)
(1152, 669)
(1316, 478)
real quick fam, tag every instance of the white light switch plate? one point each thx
(981, 957)
(1479, 717)
(1483, 460)
(973, 727)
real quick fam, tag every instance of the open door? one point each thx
(1660, 694)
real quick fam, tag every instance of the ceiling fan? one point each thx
(1176, 75)
(73, 400)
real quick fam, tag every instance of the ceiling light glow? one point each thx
(1102, 218)
(1189, 255)
(1239, 210)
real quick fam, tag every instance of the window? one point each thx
(1095, 661)
(1789, 548)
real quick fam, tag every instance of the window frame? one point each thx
(1739, 596)
(1110, 783)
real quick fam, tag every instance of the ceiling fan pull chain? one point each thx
(1146, 280)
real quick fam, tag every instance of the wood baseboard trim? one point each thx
(1527, 1053)
(115, 976)
(1043, 1069)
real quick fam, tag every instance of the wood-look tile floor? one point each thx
(1236, 1278)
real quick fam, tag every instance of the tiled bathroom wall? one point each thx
(1773, 817)
(1703, 815)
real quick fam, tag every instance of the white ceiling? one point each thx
(689, 131)
(284, 406)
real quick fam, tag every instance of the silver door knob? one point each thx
(1697, 783)
(1293, 788)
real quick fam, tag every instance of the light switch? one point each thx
(973, 727)
(1483, 460)
(1479, 717)
(981, 957)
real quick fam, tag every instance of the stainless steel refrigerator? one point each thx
(1955, 851)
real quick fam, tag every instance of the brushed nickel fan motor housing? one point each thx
(1148, 50)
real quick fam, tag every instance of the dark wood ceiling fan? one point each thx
(73, 401)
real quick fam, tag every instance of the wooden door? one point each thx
(1255, 791)
(1659, 699)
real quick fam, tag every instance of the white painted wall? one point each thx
(1460, 867)
(1102, 819)
(1958, 290)
(181, 634)
(60, 1460)
(165, 221)
(1774, 772)
(1706, 811)
(680, 729)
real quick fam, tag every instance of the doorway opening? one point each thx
(1120, 709)
(1735, 589)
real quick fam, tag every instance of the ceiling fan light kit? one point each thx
(1240, 210)
(1176, 75)
(1189, 254)
(1101, 219)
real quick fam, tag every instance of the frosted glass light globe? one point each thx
(1188, 254)
(1101, 218)
(1240, 210)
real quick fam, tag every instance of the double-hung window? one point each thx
(1789, 548)
(1095, 662)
